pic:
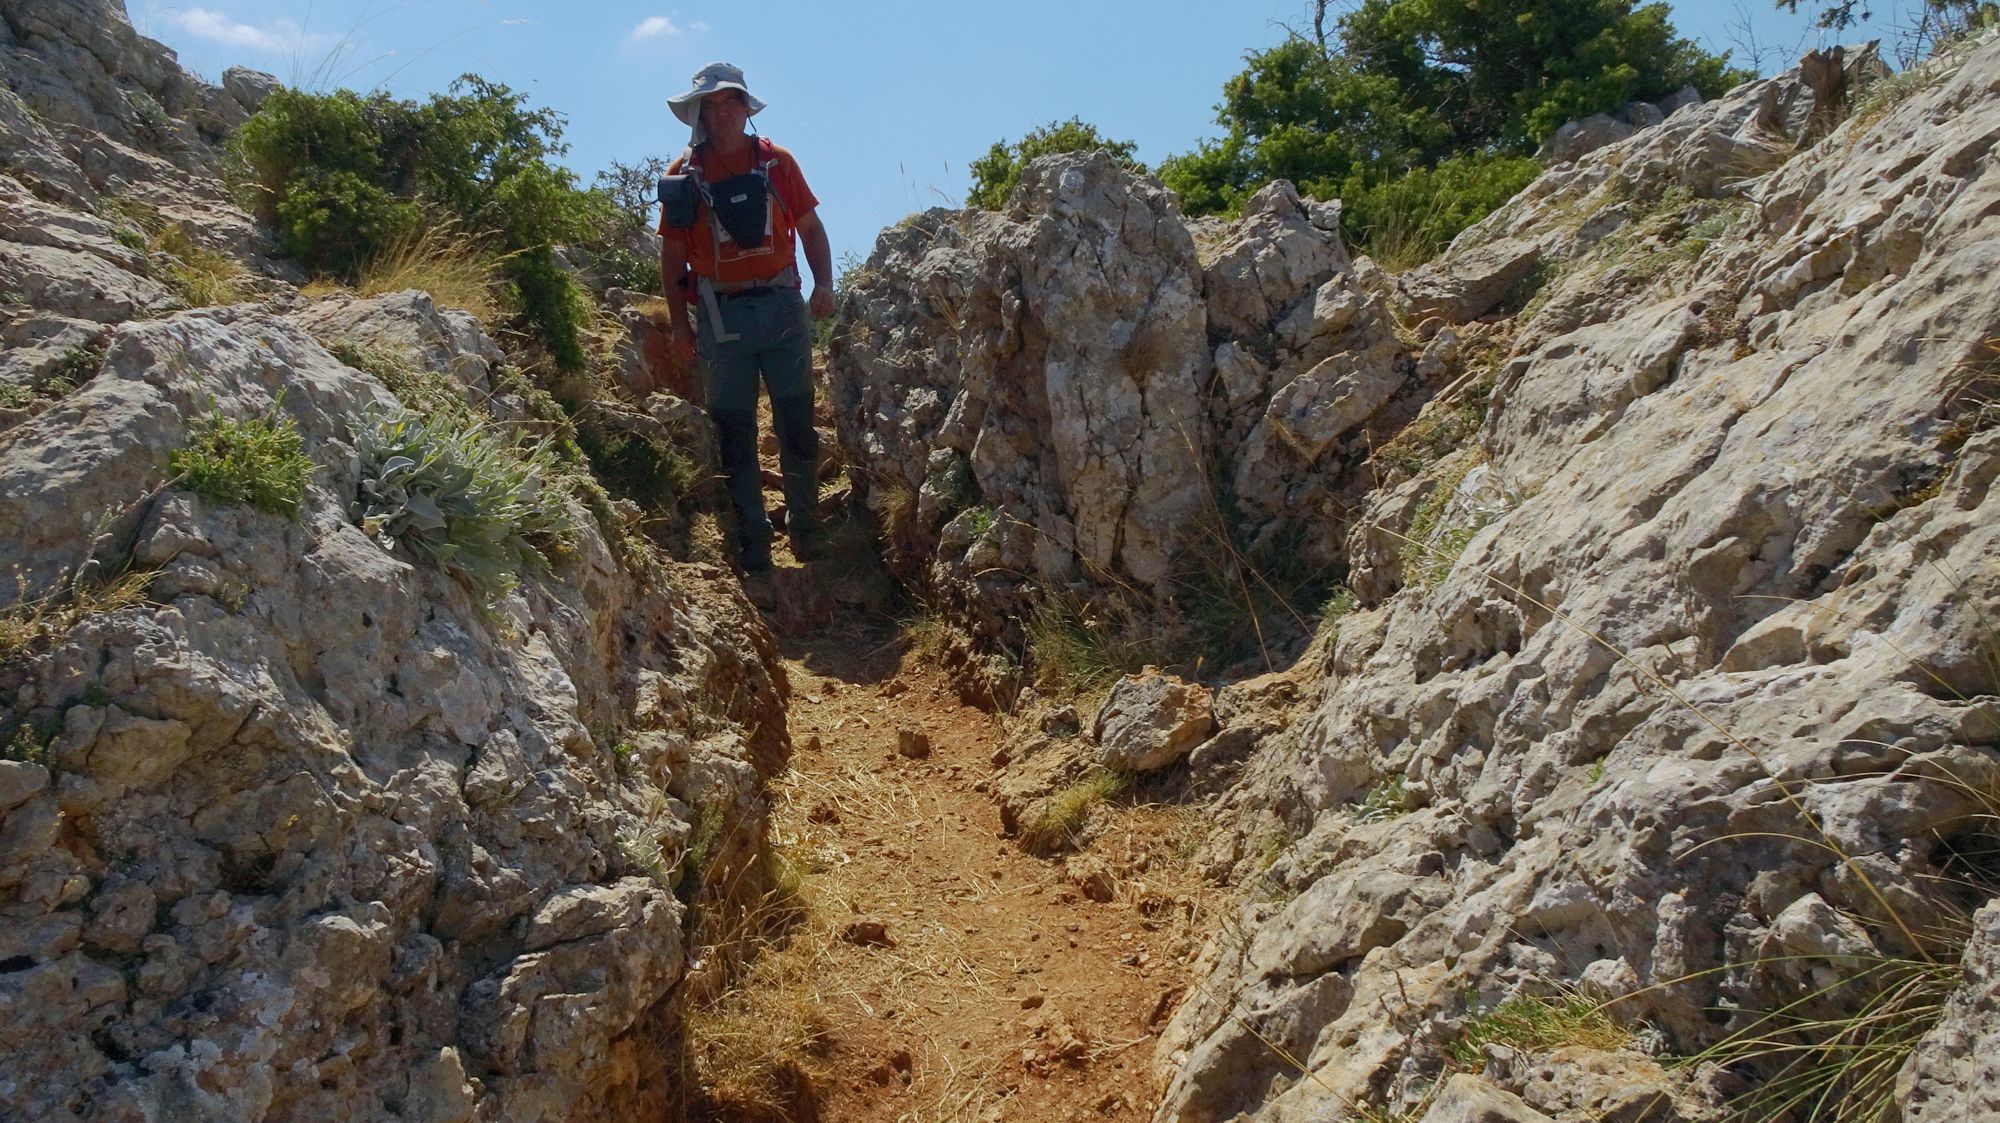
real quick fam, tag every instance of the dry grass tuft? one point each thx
(31, 624)
(895, 506)
(926, 638)
(452, 267)
(1062, 816)
(1078, 649)
(200, 277)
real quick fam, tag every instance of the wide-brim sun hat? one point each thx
(714, 77)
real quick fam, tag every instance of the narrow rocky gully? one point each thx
(916, 962)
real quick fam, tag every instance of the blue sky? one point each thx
(884, 103)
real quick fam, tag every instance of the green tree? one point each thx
(1406, 85)
(995, 174)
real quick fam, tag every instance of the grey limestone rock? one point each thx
(1150, 721)
(1954, 1073)
(309, 828)
(1468, 1099)
(1727, 598)
(249, 87)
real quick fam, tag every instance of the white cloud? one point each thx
(276, 37)
(698, 26)
(651, 27)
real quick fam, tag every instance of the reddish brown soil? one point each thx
(940, 972)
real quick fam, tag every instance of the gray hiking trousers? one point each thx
(774, 344)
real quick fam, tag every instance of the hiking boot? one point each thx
(760, 585)
(811, 546)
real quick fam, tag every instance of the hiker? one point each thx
(730, 205)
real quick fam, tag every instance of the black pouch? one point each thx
(677, 200)
(741, 207)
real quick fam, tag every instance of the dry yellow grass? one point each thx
(319, 288)
(453, 268)
(29, 623)
(201, 277)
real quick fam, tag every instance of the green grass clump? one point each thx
(256, 461)
(1439, 431)
(1062, 816)
(1537, 1024)
(461, 498)
(1335, 608)
(420, 390)
(72, 368)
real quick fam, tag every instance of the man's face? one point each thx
(724, 112)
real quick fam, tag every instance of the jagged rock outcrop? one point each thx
(293, 825)
(325, 820)
(1693, 709)
(1070, 394)
(1665, 498)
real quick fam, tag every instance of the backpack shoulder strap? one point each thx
(767, 154)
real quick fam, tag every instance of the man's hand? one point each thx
(821, 304)
(680, 343)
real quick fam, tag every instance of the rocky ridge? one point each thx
(1664, 500)
(297, 826)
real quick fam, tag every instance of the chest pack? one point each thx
(739, 207)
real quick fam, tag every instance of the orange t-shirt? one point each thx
(727, 262)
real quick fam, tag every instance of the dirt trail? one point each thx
(937, 971)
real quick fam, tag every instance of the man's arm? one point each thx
(819, 257)
(673, 266)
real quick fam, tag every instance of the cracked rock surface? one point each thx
(308, 830)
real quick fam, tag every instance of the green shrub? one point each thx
(30, 742)
(1405, 221)
(460, 498)
(256, 461)
(346, 179)
(651, 473)
(996, 174)
(549, 299)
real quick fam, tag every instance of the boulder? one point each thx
(1150, 721)
(1954, 1072)
(1467, 1099)
(249, 87)
(1581, 137)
